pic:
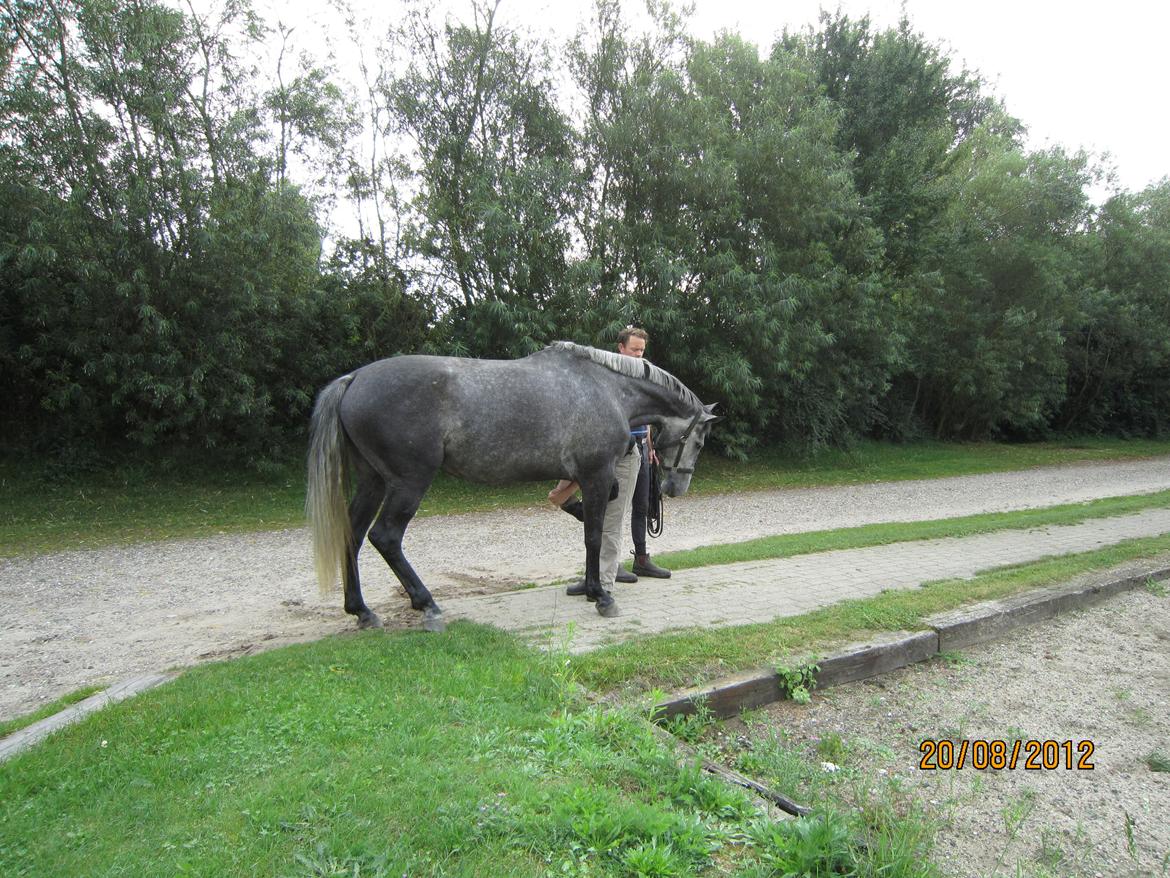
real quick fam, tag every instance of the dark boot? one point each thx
(643, 566)
(624, 575)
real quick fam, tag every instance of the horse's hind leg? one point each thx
(371, 488)
(400, 505)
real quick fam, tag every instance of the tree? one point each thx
(903, 111)
(1118, 342)
(149, 270)
(315, 119)
(495, 178)
(722, 217)
(986, 339)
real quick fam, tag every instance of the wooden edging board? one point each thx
(948, 631)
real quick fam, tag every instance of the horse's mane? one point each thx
(633, 367)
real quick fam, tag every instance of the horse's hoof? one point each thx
(433, 621)
(607, 606)
(369, 620)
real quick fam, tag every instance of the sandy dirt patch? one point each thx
(1100, 675)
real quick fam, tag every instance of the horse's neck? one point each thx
(645, 402)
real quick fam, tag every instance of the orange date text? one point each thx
(944, 754)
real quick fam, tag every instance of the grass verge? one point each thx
(387, 754)
(695, 656)
(787, 545)
(44, 508)
(886, 462)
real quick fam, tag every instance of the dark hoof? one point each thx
(433, 621)
(369, 620)
(624, 575)
(607, 606)
(578, 588)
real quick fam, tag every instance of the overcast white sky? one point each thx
(1080, 75)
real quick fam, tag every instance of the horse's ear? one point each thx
(711, 418)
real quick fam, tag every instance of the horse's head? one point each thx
(679, 445)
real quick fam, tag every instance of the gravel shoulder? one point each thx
(75, 618)
(1100, 675)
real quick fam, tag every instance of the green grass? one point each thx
(766, 753)
(692, 657)
(44, 509)
(23, 722)
(41, 511)
(48, 512)
(787, 545)
(384, 754)
(884, 462)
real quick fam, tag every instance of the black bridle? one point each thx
(682, 444)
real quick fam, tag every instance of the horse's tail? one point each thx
(328, 481)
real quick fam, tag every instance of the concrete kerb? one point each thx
(26, 737)
(979, 623)
(993, 619)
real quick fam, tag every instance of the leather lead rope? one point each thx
(654, 510)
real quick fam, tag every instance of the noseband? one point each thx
(682, 443)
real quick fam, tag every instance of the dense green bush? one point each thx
(1118, 340)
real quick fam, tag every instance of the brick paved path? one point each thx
(759, 591)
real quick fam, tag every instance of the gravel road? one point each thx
(75, 618)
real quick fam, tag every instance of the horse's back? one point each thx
(416, 384)
(442, 388)
(407, 380)
(486, 420)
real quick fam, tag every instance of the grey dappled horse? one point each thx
(563, 412)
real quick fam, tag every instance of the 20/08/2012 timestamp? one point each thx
(998, 754)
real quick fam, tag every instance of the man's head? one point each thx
(632, 341)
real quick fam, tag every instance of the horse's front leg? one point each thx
(595, 494)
